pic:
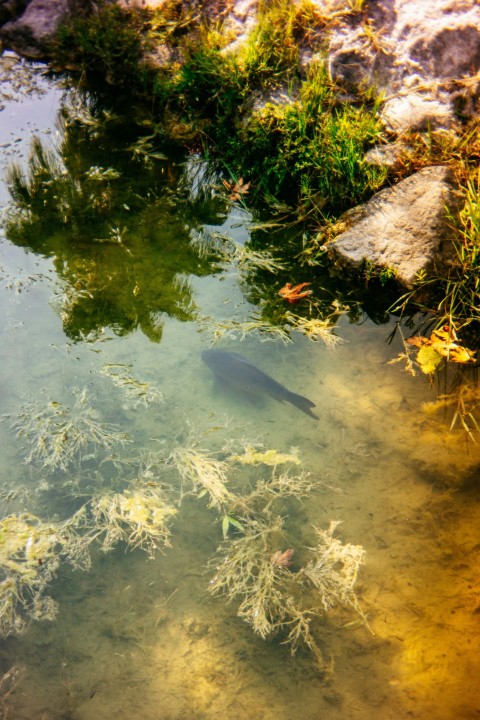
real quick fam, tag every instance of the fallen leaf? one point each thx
(428, 359)
(442, 341)
(294, 294)
(237, 189)
(460, 354)
(417, 341)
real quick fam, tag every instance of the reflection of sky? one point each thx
(28, 105)
(235, 226)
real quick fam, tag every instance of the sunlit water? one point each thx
(141, 637)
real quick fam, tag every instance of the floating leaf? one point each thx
(443, 342)
(428, 359)
(237, 189)
(294, 293)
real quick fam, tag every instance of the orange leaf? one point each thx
(418, 341)
(460, 354)
(236, 189)
(294, 294)
(445, 334)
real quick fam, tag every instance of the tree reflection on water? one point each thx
(120, 222)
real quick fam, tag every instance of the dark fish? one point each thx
(239, 373)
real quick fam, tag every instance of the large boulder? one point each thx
(31, 34)
(415, 52)
(10, 9)
(403, 228)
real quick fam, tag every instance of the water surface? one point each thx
(119, 274)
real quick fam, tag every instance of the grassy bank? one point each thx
(255, 109)
(280, 130)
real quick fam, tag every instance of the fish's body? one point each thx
(240, 373)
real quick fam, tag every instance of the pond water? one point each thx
(128, 265)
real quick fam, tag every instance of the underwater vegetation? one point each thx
(254, 456)
(206, 474)
(8, 687)
(278, 584)
(272, 596)
(251, 566)
(321, 327)
(137, 393)
(31, 552)
(57, 435)
(137, 517)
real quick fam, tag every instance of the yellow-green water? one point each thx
(139, 637)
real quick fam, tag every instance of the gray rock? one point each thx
(31, 34)
(403, 228)
(393, 41)
(453, 51)
(414, 112)
(10, 9)
(390, 156)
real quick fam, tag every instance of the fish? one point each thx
(241, 374)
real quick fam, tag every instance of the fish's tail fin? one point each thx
(302, 403)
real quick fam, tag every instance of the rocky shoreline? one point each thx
(423, 59)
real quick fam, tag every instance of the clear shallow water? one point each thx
(141, 637)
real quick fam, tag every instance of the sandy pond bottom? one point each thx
(139, 638)
(142, 638)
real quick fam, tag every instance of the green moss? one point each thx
(310, 148)
(108, 42)
(271, 53)
(313, 147)
(210, 85)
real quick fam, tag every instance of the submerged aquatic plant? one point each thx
(240, 329)
(31, 552)
(139, 516)
(8, 686)
(253, 570)
(315, 329)
(244, 571)
(205, 473)
(269, 491)
(248, 259)
(58, 435)
(334, 569)
(254, 456)
(136, 392)
(252, 566)
(242, 255)
(19, 281)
